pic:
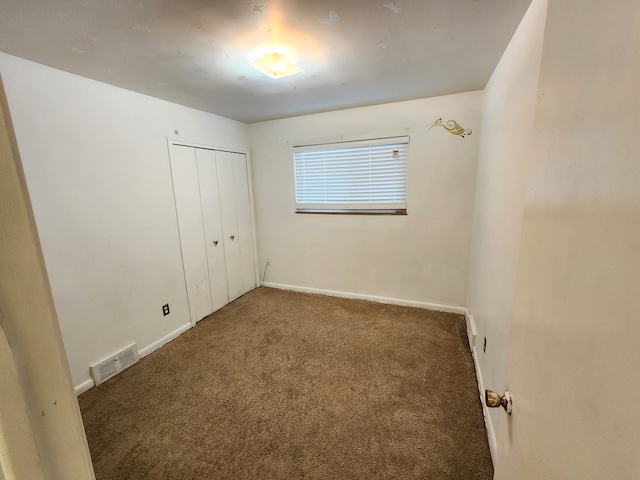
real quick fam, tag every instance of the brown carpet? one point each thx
(284, 385)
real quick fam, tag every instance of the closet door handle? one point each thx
(215, 243)
(232, 237)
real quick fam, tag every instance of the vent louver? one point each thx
(114, 364)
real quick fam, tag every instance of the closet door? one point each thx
(233, 183)
(226, 192)
(186, 187)
(245, 225)
(214, 240)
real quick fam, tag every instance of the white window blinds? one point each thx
(353, 177)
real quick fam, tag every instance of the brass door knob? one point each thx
(493, 400)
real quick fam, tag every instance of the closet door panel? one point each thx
(206, 161)
(186, 189)
(226, 187)
(245, 225)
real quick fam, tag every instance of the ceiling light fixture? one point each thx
(275, 65)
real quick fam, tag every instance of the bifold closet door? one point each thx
(229, 226)
(214, 220)
(233, 189)
(186, 186)
(245, 224)
(211, 219)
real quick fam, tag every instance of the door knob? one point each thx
(232, 237)
(493, 400)
(215, 242)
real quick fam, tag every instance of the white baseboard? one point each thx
(491, 435)
(87, 384)
(472, 333)
(164, 340)
(373, 298)
(84, 386)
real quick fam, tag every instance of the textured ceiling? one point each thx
(195, 52)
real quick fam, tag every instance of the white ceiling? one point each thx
(195, 52)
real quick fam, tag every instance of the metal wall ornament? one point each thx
(452, 127)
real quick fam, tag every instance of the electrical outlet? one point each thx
(165, 309)
(268, 260)
(484, 346)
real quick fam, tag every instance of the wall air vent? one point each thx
(114, 364)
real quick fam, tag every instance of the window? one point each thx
(352, 177)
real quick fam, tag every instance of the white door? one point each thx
(245, 225)
(213, 236)
(186, 187)
(231, 237)
(233, 187)
(214, 218)
(573, 358)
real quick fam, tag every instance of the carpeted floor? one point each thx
(284, 385)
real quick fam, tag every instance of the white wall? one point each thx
(503, 159)
(97, 169)
(573, 358)
(422, 256)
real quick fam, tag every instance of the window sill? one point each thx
(353, 212)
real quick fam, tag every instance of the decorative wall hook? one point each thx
(452, 127)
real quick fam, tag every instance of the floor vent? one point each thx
(114, 364)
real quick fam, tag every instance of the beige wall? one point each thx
(40, 425)
(573, 354)
(19, 457)
(422, 256)
(505, 148)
